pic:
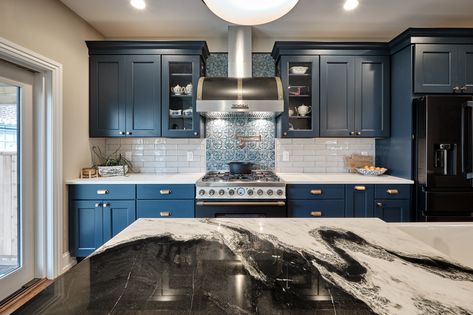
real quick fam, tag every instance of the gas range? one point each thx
(255, 186)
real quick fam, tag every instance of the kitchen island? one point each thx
(261, 266)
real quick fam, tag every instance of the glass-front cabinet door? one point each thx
(300, 78)
(180, 77)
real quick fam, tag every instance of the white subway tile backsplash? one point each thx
(319, 155)
(161, 155)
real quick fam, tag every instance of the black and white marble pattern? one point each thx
(261, 266)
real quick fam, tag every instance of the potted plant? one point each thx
(114, 164)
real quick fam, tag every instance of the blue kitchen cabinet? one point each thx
(117, 215)
(316, 208)
(86, 228)
(300, 89)
(165, 209)
(393, 210)
(359, 201)
(465, 68)
(355, 96)
(180, 77)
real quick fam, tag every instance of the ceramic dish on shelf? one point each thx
(299, 70)
(371, 172)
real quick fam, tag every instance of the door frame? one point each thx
(51, 260)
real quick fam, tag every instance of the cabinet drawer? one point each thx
(165, 209)
(317, 208)
(102, 192)
(392, 191)
(316, 191)
(165, 192)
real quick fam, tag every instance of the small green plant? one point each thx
(113, 159)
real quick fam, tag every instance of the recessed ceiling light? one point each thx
(138, 4)
(250, 12)
(350, 5)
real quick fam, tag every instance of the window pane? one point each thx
(9, 237)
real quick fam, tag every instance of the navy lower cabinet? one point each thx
(165, 208)
(359, 200)
(316, 201)
(393, 210)
(86, 228)
(117, 215)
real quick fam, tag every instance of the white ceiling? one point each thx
(309, 20)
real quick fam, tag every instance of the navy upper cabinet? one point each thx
(107, 97)
(443, 68)
(300, 77)
(372, 96)
(337, 99)
(180, 77)
(130, 88)
(355, 96)
(143, 95)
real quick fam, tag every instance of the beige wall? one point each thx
(51, 29)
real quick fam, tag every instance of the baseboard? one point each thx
(67, 262)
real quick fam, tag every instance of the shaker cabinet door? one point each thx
(393, 210)
(117, 215)
(143, 95)
(107, 96)
(465, 68)
(337, 96)
(372, 96)
(359, 201)
(86, 227)
(435, 68)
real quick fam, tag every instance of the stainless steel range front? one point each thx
(259, 194)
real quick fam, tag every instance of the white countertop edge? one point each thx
(341, 178)
(167, 178)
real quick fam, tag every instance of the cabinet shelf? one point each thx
(303, 96)
(181, 74)
(182, 96)
(300, 75)
(300, 117)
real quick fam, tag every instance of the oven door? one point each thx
(240, 209)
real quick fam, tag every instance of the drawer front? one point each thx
(392, 191)
(165, 209)
(316, 208)
(102, 192)
(165, 192)
(316, 191)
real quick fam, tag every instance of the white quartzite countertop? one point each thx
(340, 178)
(177, 178)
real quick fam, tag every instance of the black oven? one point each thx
(240, 208)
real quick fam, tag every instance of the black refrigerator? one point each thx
(444, 158)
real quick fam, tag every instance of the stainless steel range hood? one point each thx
(239, 94)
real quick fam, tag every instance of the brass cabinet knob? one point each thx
(316, 213)
(316, 192)
(360, 188)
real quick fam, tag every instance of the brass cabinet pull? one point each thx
(165, 191)
(316, 213)
(392, 191)
(360, 188)
(165, 213)
(102, 192)
(316, 192)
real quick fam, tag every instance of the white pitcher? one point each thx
(304, 110)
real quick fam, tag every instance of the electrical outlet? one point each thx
(190, 156)
(285, 156)
(128, 155)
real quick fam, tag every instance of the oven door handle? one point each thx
(241, 203)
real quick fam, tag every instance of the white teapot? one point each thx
(304, 110)
(177, 90)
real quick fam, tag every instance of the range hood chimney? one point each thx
(240, 93)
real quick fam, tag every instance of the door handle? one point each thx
(102, 192)
(97, 205)
(316, 213)
(316, 192)
(165, 213)
(464, 88)
(379, 204)
(121, 133)
(456, 89)
(128, 133)
(360, 188)
(358, 133)
(165, 191)
(392, 191)
(352, 133)
(105, 205)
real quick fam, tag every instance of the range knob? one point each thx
(231, 192)
(270, 192)
(250, 192)
(241, 191)
(280, 192)
(211, 192)
(221, 192)
(201, 192)
(260, 192)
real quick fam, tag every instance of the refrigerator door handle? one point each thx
(466, 140)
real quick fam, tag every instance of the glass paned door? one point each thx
(17, 260)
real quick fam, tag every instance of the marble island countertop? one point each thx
(289, 178)
(261, 266)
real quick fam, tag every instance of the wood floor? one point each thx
(24, 297)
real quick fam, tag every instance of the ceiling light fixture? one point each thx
(250, 12)
(138, 4)
(350, 5)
